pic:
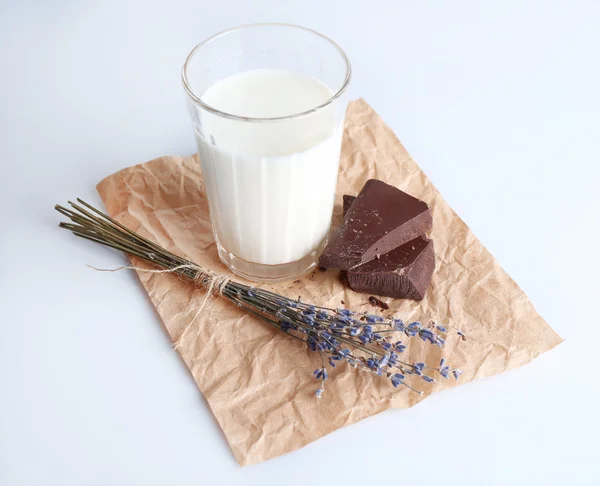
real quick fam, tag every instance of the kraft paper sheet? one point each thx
(258, 381)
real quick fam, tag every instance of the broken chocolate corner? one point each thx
(380, 219)
(347, 200)
(402, 273)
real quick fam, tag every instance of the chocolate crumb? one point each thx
(378, 303)
(296, 281)
(463, 337)
(312, 277)
(343, 303)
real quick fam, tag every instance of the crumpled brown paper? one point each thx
(257, 381)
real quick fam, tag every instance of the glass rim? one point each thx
(224, 114)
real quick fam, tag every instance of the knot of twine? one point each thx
(214, 284)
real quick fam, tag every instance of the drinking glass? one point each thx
(267, 103)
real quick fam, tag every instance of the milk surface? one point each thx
(271, 184)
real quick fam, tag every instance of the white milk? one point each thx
(271, 184)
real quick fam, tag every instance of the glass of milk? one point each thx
(267, 105)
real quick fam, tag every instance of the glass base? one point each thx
(257, 272)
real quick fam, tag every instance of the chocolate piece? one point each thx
(381, 218)
(402, 273)
(378, 303)
(403, 281)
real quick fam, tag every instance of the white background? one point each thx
(499, 103)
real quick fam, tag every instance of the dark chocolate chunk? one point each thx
(402, 273)
(348, 200)
(380, 219)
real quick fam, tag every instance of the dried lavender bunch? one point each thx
(364, 341)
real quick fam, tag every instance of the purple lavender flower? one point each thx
(399, 347)
(399, 325)
(397, 379)
(412, 329)
(427, 335)
(326, 330)
(286, 326)
(456, 372)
